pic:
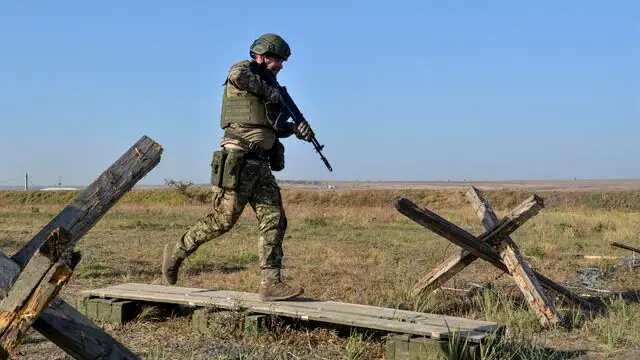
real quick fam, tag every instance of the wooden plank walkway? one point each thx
(372, 317)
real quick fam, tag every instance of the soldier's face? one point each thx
(274, 64)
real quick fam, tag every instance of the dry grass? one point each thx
(350, 246)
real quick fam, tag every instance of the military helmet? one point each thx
(270, 44)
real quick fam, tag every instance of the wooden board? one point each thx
(401, 321)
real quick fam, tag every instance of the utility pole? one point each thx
(26, 181)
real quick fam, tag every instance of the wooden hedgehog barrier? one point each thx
(31, 279)
(495, 246)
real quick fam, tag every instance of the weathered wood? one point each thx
(61, 323)
(469, 243)
(46, 290)
(31, 276)
(518, 268)
(155, 291)
(71, 331)
(443, 272)
(597, 257)
(457, 262)
(626, 247)
(500, 229)
(434, 326)
(9, 272)
(450, 231)
(77, 336)
(90, 205)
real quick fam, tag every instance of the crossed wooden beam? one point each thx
(495, 246)
(31, 279)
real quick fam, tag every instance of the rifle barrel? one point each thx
(292, 108)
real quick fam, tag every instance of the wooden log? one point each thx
(77, 336)
(450, 231)
(443, 272)
(596, 257)
(9, 272)
(626, 247)
(62, 324)
(90, 205)
(32, 275)
(71, 331)
(469, 243)
(46, 290)
(500, 229)
(456, 263)
(518, 268)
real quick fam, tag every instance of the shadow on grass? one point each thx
(92, 270)
(631, 295)
(210, 268)
(230, 269)
(197, 270)
(518, 351)
(603, 302)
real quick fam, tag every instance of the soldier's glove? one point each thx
(303, 131)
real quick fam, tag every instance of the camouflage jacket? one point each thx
(242, 79)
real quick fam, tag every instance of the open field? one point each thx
(352, 246)
(537, 185)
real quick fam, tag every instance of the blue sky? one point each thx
(397, 90)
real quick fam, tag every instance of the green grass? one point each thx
(244, 257)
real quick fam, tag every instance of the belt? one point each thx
(254, 151)
(258, 154)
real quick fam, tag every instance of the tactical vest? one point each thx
(246, 108)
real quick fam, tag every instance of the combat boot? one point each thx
(171, 261)
(272, 288)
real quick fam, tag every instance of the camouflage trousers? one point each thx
(256, 186)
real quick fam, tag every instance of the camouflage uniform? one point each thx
(256, 185)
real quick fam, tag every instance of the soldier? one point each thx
(241, 170)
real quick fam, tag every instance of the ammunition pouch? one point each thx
(217, 164)
(276, 156)
(226, 167)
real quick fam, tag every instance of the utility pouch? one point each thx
(276, 156)
(217, 166)
(232, 167)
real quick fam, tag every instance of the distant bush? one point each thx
(187, 191)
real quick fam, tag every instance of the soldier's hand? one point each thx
(303, 131)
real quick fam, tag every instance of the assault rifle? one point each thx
(290, 110)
